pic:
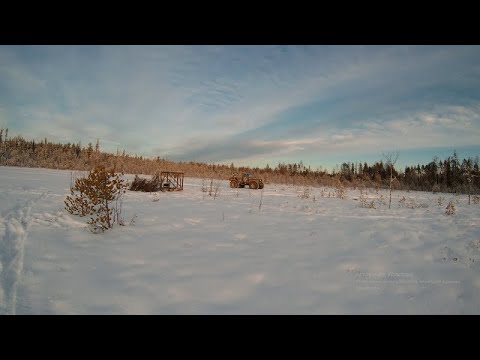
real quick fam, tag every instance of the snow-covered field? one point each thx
(189, 253)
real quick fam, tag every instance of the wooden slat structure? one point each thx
(171, 180)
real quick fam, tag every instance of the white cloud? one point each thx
(187, 100)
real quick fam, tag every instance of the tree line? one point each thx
(448, 175)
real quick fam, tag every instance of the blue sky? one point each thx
(250, 105)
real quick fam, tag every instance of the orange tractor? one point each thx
(246, 179)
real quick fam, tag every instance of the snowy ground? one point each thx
(191, 254)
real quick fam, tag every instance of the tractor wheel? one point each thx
(233, 184)
(253, 185)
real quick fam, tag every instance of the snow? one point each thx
(191, 254)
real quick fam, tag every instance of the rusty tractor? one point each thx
(246, 179)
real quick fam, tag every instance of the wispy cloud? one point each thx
(243, 103)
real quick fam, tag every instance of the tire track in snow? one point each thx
(12, 248)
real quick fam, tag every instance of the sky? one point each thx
(250, 105)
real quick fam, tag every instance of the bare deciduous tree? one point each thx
(216, 189)
(469, 176)
(390, 160)
(261, 200)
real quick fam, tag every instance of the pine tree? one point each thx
(5, 145)
(94, 196)
(89, 150)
